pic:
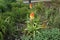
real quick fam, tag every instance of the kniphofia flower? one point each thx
(32, 16)
(30, 5)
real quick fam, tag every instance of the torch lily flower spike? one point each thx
(32, 16)
(30, 5)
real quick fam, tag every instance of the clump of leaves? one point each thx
(1, 36)
(44, 34)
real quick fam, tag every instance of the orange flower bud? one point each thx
(32, 16)
(30, 5)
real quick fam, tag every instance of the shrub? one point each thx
(44, 34)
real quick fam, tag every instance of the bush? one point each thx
(46, 34)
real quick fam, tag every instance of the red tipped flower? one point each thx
(30, 5)
(32, 16)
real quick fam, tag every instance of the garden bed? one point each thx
(18, 23)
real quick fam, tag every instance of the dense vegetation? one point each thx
(15, 23)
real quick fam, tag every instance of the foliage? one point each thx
(57, 22)
(44, 13)
(1, 36)
(13, 12)
(47, 13)
(44, 34)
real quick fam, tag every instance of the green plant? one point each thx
(56, 20)
(1, 36)
(46, 13)
(44, 34)
(32, 25)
